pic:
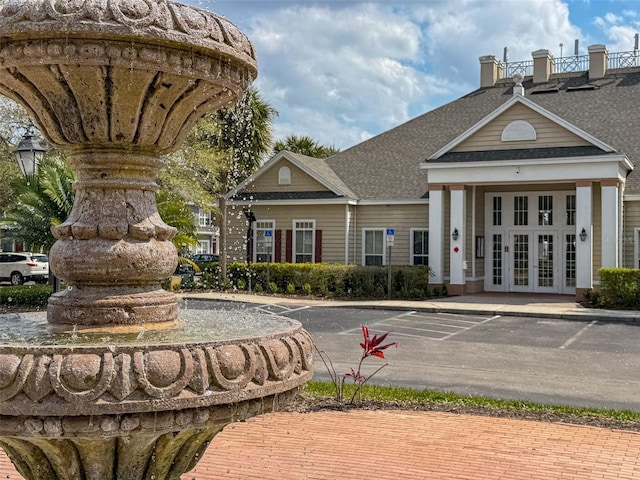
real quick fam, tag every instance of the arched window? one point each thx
(284, 176)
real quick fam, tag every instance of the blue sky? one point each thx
(344, 71)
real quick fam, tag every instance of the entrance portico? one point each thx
(532, 219)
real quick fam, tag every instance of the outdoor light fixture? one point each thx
(455, 234)
(583, 235)
(29, 154)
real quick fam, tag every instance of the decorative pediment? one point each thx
(521, 123)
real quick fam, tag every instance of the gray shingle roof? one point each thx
(388, 166)
(320, 167)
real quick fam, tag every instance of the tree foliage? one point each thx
(46, 199)
(42, 200)
(305, 145)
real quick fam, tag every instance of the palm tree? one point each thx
(46, 199)
(306, 146)
(41, 200)
(238, 139)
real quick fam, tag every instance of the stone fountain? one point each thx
(114, 381)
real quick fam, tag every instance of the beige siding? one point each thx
(631, 222)
(402, 218)
(548, 133)
(328, 218)
(300, 181)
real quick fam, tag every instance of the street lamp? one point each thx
(29, 154)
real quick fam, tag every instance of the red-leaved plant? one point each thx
(371, 347)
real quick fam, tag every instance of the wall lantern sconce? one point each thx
(583, 235)
(455, 234)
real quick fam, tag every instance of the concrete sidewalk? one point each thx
(520, 305)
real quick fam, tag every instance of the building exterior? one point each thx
(526, 184)
(208, 233)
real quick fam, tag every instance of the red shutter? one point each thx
(318, 247)
(278, 247)
(289, 247)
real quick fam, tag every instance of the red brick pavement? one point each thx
(361, 445)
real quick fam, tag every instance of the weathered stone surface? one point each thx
(117, 84)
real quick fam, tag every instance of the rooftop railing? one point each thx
(574, 63)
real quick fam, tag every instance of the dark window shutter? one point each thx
(278, 247)
(289, 247)
(318, 247)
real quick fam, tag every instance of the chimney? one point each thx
(542, 63)
(598, 61)
(490, 71)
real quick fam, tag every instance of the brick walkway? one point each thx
(363, 445)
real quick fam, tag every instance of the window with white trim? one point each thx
(264, 243)
(284, 176)
(204, 246)
(204, 218)
(373, 248)
(303, 241)
(419, 247)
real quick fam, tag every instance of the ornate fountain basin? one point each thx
(132, 402)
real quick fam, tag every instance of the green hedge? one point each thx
(26, 295)
(323, 279)
(619, 288)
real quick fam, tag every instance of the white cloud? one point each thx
(341, 72)
(619, 29)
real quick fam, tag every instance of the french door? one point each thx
(532, 265)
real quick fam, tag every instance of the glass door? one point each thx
(545, 263)
(520, 262)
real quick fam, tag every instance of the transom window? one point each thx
(521, 210)
(545, 210)
(304, 233)
(420, 247)
(497, 210)
(571, 210)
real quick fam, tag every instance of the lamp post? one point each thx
(29, 154)
(251, 218)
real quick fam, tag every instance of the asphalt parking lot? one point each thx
(583, 363)
(620, 337)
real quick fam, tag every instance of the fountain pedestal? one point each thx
(117, 85)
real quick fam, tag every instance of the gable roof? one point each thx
(316, 168)
(519, 99)
(387, 166)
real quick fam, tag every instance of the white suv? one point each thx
(20, 267)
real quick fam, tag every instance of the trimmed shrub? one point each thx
(619, 288)
(26, 295)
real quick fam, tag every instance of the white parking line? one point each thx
(359, 329)
(462, 330)
(265, 309)
(575, 337)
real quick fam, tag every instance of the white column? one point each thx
(347, 232)
(436, 226)
(457, 251)
(610, 229)
(584, 249)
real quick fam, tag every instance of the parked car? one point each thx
(20, 267)
(203, 259)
